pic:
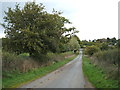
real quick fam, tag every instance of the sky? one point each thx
(93, 19)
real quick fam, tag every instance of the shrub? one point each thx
(12, 62)
(90, 50)
(23, 63)
(104, 46)
(108, 61)
(110, 56)
(6, 56)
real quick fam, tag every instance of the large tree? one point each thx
(33, 30)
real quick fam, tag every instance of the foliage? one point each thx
(8, 56)
(97, 76)
(104, 46)
(77, 38)
(103, 43)
(6, 45)
(109, 61)
(23, 62)
(33, 30)
(111, 41)
(109, 56)
(70, 44)
(90, 50)
(118, 44)
(73, 43)
(0, 47)
(24, 55)
(16, 78)
(11, 61)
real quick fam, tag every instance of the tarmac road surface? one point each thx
(68, 76)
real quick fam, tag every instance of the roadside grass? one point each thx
(16, 78)
(96, 75)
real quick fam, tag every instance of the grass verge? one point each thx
(18, 78)
(96, 75)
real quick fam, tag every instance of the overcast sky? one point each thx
(93, 18)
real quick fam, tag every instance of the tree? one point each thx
(77, 38)
(32, 30)
(108, 39)
(73, 43)
(113, 40)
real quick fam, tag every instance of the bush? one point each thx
(10, 61)
(6, 56)
(110, 56)
(23, 63)
(108, 61)
(90, 50)
(104, 46)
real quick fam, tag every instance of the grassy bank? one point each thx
(108, 61)
(96, 75)
(18, 78)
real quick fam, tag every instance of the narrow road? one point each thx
(68, 76)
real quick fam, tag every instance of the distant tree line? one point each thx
(108, 42)
(93, 46)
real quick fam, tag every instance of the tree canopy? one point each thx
(33, 30)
